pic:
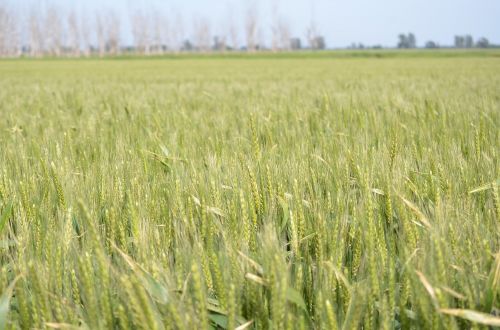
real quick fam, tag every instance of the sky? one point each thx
(369, 22)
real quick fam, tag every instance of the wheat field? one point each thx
(250, 193)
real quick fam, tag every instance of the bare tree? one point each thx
(4, 18)
(73, 34)
(8, 33)
(284, 35)
(16, 32)
(85, 34)
(202, 34)
(160, 32)
(36, 37)
(261, 39)
(112, 33)
(275, 27)
(220, 39)
(251, 28)
(231, 30)
(280, 30)
(54, 31)
(100, 34)
(312, 31)
(233, 36)
(311, 35)
(140, 32)
(177, 33)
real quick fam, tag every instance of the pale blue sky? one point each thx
(341, 22)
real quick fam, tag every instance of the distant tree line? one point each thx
(467, 41)
(407, 41)
(55, 32)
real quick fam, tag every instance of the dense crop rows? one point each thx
(262, 193)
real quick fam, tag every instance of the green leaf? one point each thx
(294, 296)
(214, 308)
(5, 216)
(286, 215)
(492, 287)
(356, 305)
(219, 319)
(155, 289)
(5, 304)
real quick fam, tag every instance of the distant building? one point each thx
(295, 44)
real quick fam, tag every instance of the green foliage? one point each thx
(292, 192)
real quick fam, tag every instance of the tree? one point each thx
(4, 31)
(280, 31)
(412, 41)
(176, 33)
(459, 42)
(407, 41)
(85, 33)
(101, 38)
(160, 32)
(403, 41)
(219, 44)
(231, 30)
(482, 43)
(319, 43)
(140, 33)
(431, 44)
(274, 27)
(54, 31)
(187, 45)
(314, 40)
(112, 33)
(469, 42)
(295, 44)
(36, 38)
(311, 34)
(251, 28)
(284, 35)
(233, 36)
(73, 34)
(9, 43)
(202, 34)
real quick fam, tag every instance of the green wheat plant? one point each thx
(250, 193)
